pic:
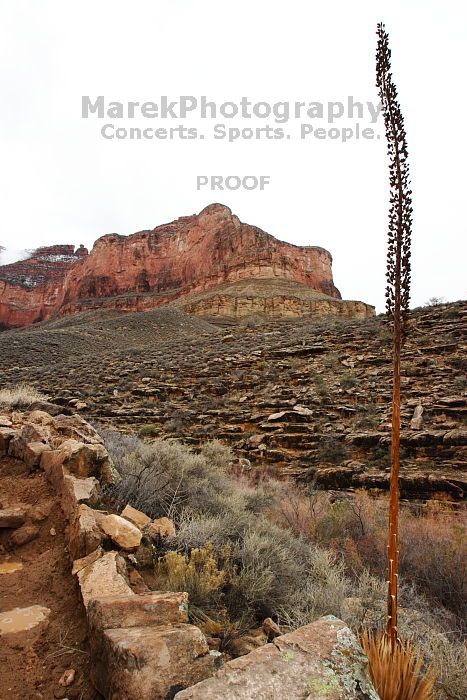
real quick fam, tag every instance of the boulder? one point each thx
(82, 459)
(135, 516)
(17, 446)
(6, 435)
(145, 556)
(85, 534)
(105, 576)
(52, 464)
(31, 432)
(122, 532)
(75, 491)
(145, 610)
(5, 422)
(77, 428)
(271, 628)
(248, 642)
(52, 409)
(89, 559)
(13, 517)
(150, 663)
(24, 534)
(321, 660)
(40, 417)
(160, 529)
(28, 452)
(33, 453)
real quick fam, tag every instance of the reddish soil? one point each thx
(32, 663)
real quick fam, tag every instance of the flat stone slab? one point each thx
(103, 577)
(321, 661)
(144, 610)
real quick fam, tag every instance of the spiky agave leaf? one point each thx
(397, 670)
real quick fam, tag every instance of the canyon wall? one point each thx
(188, 256)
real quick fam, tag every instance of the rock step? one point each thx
(321, 660)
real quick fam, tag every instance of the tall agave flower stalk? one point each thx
(398, 288)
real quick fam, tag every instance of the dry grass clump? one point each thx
(397, 672)
(21, 396)
(196, 573)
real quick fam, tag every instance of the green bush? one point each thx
(148, 430)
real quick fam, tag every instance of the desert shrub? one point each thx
(269, 569)
(339, 522)
(217, 454)
(366, 417)
(118, 444)
(331, 451)
(166, 477)
(348, 381)
(148, 430)
(323, 590)
(320, 385)
(460, 383)
(433, 546)
(452, 312)
(299, 508)
(21, 396)
(449, 661)
(433, 552)
(195, 531)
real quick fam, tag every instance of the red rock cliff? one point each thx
(29, 289)
(149, 268)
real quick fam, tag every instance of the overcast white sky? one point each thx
(62, 182)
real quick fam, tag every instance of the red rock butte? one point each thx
(210, 264)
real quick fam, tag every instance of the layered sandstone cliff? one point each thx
(191, 255)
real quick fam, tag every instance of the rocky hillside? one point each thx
(308, 398)
(189, 256)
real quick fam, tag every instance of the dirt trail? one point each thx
(32, 662)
